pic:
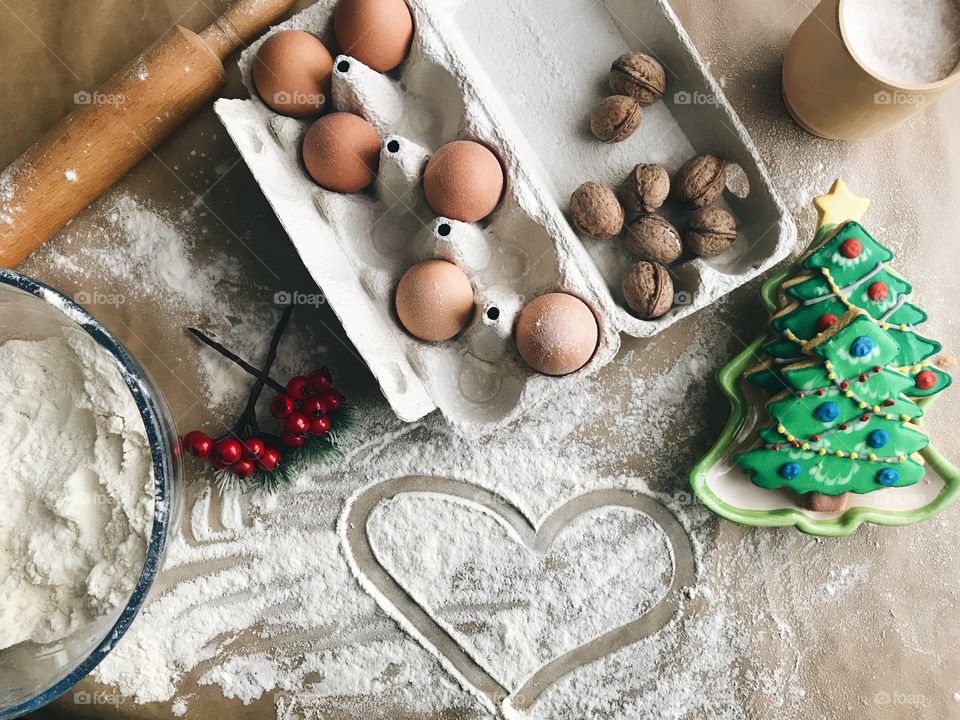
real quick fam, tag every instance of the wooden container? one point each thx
(830, 92)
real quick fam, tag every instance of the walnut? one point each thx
(648, 290)
(638, 75)
(710, 232)
(653, 238)
(596, 211)
(616, 118)
(701, 180)
(645, 189)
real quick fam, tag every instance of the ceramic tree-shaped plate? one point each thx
(842, 283)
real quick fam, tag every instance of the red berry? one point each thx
(320, 380)
(269, 460)
(244, 468)
(332, 399)
(229, 451)
(314, 407)
(254, 447)
(198, 444)
(297, 424)
(299, 388)
(320, 426)
(291, 440)
(282, 406)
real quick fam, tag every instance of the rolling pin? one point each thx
(113, 128)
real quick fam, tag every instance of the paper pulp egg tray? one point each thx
(358, 246)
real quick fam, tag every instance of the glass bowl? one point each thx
(31, 674)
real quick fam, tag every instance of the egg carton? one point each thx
(358, 246)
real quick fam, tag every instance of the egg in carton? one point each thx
(358, 246)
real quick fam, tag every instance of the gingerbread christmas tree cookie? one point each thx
(827, 430)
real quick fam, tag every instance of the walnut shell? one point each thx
(711, 231)
(648, 290)
(653, 238)
(701, 181)
(645, 189)
(596, 212)
(616, 118)
(638, 75)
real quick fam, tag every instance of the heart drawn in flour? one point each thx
(510, 608)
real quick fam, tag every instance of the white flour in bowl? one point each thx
(76, 497)
(911, 42)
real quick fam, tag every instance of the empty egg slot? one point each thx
(490, 336)
(401, 166)
(358, 89)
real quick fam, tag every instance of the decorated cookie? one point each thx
(827, 431)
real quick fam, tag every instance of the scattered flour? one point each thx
(76, 501)
(71, 175)
(242, 607)
(910, 42)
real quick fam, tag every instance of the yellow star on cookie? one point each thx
(840, 205)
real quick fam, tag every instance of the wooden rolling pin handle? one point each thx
(241, 23)
(113, 128)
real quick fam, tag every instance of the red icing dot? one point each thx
(820, 393)
(865, 418)
(877, 368)
(851, 248)
(776, 447)
(801, 394)
(844, 385)
(863, 378)
(890, 403)
(844, 427)
(878, 291)
(926, 380)
(796, 443)
(815, 438)
(827, 321)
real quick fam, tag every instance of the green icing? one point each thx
(801, 319)
(838, 400)
(846, 271)
(828, 475)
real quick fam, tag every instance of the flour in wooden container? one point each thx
(909, 42)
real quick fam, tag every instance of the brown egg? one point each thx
(378, 33)
(463, 181)
(435, 300)
(342, 152)
(292, 73)
(557, 334)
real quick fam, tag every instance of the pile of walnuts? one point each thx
(602, 213)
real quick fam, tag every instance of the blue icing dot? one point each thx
(878, 438)
(862, 346)
(828, 412)
(888, 477)
(790, 470)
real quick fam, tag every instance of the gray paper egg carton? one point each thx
(358, 246)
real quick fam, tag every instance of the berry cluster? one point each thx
(305, 407)
(241, 458)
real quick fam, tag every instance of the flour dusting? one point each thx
(76, 500)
